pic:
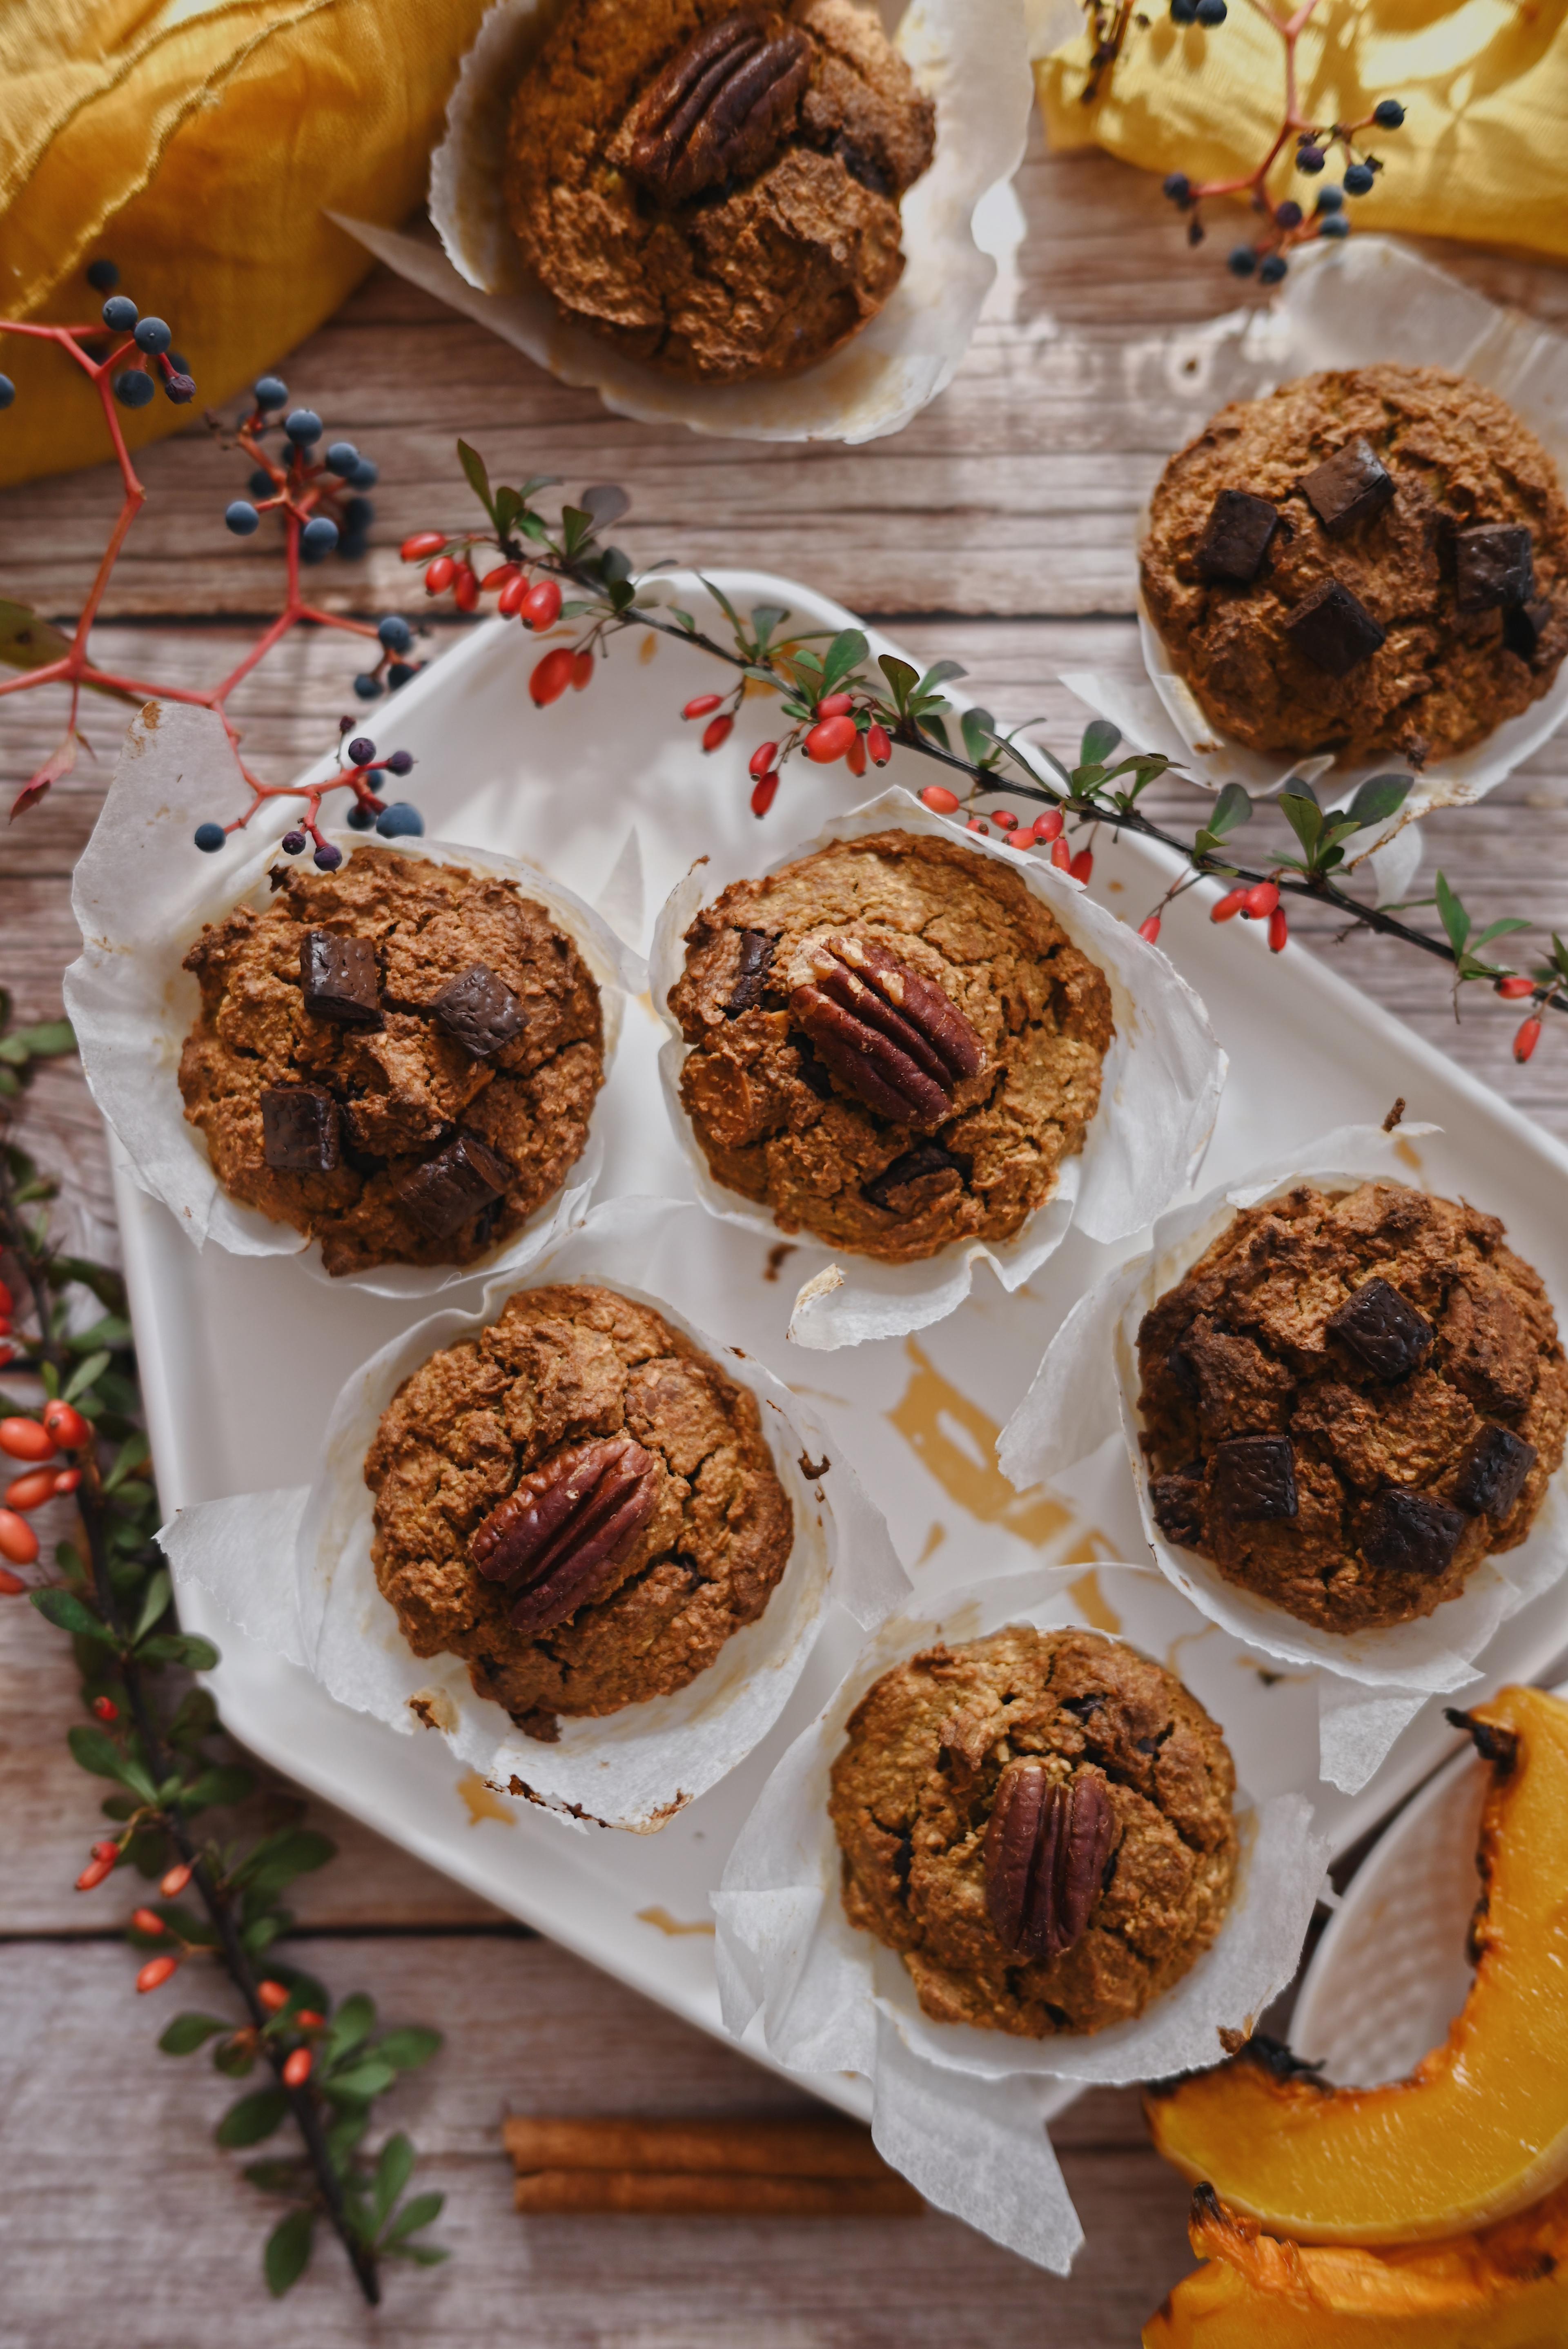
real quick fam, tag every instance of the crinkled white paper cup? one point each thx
(292, 1570)
(961, 2111)
(1085, 1390)
(1160, 1095)
(142, 895)
(970, 55)
(1359, 303)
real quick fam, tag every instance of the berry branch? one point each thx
(78, 1436)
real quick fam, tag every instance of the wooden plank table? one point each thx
(998, 529)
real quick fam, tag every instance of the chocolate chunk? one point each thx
(757, 952)
(1348, 488)
(1493, 565)
(1254, 1479)
(1334, 628)
(1178, 1506)
(1525, 625)
(1383, 1328)
(1183, 1372)
(1236, 537)
(340, 979)
(925, 1158)
(449, 1190)
(1493, 1472)
(1410, 1533)
(299, 1129)
(479, 1011)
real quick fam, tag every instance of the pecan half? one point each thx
(557, 1537)
(897, 1041)
(719, 110)
(1046, 1848)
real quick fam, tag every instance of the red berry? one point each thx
(105, 1707)
(581, 671)
(65, 1424)
(156, 1972)
(1229, 906)
(440, 575)
(502, 576)
(1005, 819)
(513, 596)
(108, 1849)
(830, 738)
(836, 705)
(856, 761)
(1082, 866)
(24, 1439)
(940, 800)
(1260, 900)
(148, 1921)
(764, 792)
(1049, 825)
(11, 1585)
(466, 588)
(879, 745)
(1514, 989)
(762, 757)
(1526, 1041)
(1279, 931)
(423, 542)
(541, 607)
(93, 1874)
(174, 1883)
(1022, 838)
(1149, 928)
(18, 1542)
(552, 676)
(4, 1325)
(297, 2071)
(31, 1491)
(8, 1303)
(308, 2019)
(66, 1482)
(701, 704)
(7, 1354)
(977, 824)
(272, 1995)
(717, 732)
(1061, 855)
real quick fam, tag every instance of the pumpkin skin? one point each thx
(1479, 2130)
(1505, 2289)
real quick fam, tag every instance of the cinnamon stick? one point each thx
(696, 2168)
(590, 2193)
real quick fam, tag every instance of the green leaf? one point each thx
(1099, 739)
(353, 2023)
(425, 2255)
(236, 2059)
(765, 619)
(49, 1040)
(188, 2032)
(187, 1647)
(84, 1374)
(227, 1784)
(938, 674)
(422, 2210)
(1378, 798)
(288, 2177)
(287, 2254)
(127, 1460)
(1231, 811)
(393, 2171)
(155, 1602)
(406, 2049)
(1305, 817)
(361, 2081)
(846, 652)
(1501, 928)
(902, 679)
(112, 1330)
(473, 465)
(278, 1860)
(69, 1613)
(95, 1752)
(1453, 914)
(253, 2118)
(606, 502)
(102, 1282)
(978, 730)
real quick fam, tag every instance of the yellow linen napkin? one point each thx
(1483, 151)
(199, 144)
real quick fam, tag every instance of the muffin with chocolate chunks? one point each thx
(893, 1045)
(1350, 1400)
(1041, 1824)
(399, 1058)
(578, 1502)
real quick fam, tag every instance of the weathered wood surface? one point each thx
(998, 529)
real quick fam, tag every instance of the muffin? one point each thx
(716, 190)
(1372, 562)
(400, 1058)
(577, 1502)
(893, 1045)
(1041, 1824)
(1350, 1400)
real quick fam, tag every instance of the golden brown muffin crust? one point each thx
(1444, 678)
(778, 1128)
(557, 1367)
(1242, 1349)
(912, 1792)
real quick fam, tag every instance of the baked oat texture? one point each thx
(1444, 679)
(1241, 1348)
(759, 276)
(558, 1366)
(404, 1088)
(776, 1127)
(912, 1791)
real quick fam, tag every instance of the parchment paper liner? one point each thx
(141, 895)
(970, 55)
(1085, 1391)
(1367, 301)
(633, 1769)
(1158, 1099)
(962, 2111)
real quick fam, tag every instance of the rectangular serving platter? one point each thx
(242, 1358)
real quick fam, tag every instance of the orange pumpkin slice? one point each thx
(1479, 2130)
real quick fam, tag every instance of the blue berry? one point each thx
(1288, 214)
(120, 313)
(365, 474)
(1211, 12)
(321, 532)
(353, 545)
(303, 426)
(271, 392)
(180, 365)
(400, 672)
(400, 822)
(132, 389)
(242, 516)
(7, 391)
(367, 688)
(1330, 199)
(1388, 113)
(327, 859)
(152, 335)
(1242, 262)
(1272, 269)
(1359, 180)
(1184, 12)
(1179, 188)
(102, 276)
(358, 514)
(1310, 158)
(1334, 224)
(362, 749)
(401, 763)
(394, 633)
(179, 387)
(359, 819)
(259, 485)
(292, 843)
(209, 837)
(342, 457)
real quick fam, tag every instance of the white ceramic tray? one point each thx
(240, 1357)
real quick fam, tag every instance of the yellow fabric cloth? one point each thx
(1483, 151)
(200, 145)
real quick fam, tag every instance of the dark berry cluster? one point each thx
(1286, 223)
(357, 763)
(322, 492)
(149, 363)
